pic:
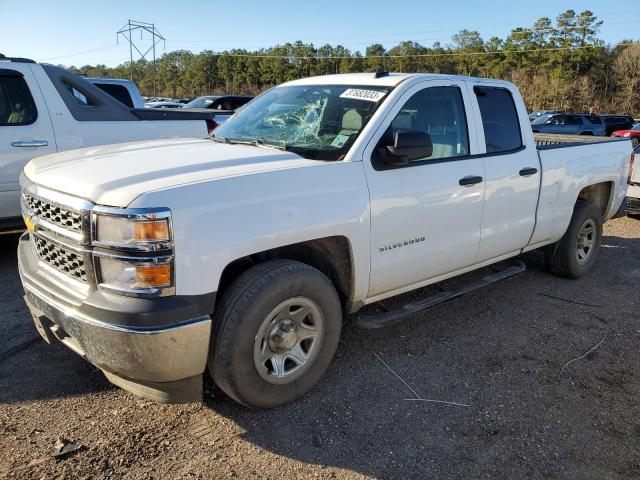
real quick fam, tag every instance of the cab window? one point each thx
(500, 119)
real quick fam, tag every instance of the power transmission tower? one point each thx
(156, 38)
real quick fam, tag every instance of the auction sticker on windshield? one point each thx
(362, 94)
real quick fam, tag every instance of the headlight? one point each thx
(134, 250)
(136, 275)
(132, 230)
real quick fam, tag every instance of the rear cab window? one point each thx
(500, 119)
(119, 92)
(17, 106)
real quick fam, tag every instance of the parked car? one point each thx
(221, 107)
(633, 202)
(613, 123)
(46, 109)
(632, 133)
(569, 124)
(538, 113)
(124, 91)
(244, 251)
(219, 102)
(164, 105)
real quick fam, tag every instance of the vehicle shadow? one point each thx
(494, 355)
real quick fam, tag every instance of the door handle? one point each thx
(525, 172)
(469, 180)
(30, 143)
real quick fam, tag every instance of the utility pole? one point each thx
(156, 38)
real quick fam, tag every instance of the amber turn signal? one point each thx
(150, 276)
(153, 231)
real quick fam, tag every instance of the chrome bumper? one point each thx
(164, 355)
(142, 350)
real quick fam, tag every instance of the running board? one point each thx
(384, 319)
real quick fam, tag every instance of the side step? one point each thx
(383, 319)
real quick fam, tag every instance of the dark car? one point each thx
(569, 124)
(617, 122)
(219, 102)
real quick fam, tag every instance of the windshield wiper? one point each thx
(255, 142)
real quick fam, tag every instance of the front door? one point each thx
(425, 216)
(25, 131)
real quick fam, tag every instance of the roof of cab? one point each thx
(390, 80)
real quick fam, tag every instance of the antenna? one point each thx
(380, 72)
(156, 37)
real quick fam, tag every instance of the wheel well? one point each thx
(600, 194)
(330, 255)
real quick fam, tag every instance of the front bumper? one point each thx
(139, 349)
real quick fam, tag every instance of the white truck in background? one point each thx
(46, 109)
(633, 202)
(242, 253)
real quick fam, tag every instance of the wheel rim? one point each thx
(586, 241)
(288, 340)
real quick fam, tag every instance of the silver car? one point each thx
(569, 124)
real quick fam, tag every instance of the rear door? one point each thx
(575, 125)
(512, 172)
(25, 130)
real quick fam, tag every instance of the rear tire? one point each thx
(576, 252)
(266, 351)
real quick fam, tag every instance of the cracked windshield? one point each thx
(317, 122)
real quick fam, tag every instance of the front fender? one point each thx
(218, 221)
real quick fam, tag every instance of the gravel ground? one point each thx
(498, 354)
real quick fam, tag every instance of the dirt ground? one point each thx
(497, 355)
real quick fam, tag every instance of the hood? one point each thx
(114, 175)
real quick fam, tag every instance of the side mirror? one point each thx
(408, 145)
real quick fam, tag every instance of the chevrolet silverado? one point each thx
(242, 253)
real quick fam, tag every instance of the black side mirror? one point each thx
(409, 145)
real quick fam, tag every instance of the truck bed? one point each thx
(548, 141)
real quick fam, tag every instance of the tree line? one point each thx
(561, 64)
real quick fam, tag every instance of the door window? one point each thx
(438, 112)
(16, 103)
(499, 119)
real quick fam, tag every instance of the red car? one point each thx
(633, 133)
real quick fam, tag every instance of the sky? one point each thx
(72, 32)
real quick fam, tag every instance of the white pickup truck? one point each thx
(45, 109)
(633, 202)
(242, 253)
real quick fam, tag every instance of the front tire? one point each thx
(275, 333)
(576, 252)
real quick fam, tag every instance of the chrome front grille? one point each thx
(53, 213)
(61, 258)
